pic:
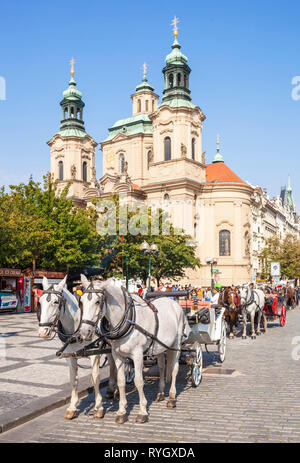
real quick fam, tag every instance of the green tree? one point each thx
(286, 251)
(177, 252)
(37, 223)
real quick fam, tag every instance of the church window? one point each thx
(152, 105)
(193, 149)
(84, 171)
(171, 80)
(78, 113)
(178, 80)
(185, 81)
(146, 105)
(72, 112)
(167, 143)
(61, 170)
(224, 243)
(139, 106)
(195, 230)
(122, 163)
(66, 113)
(166, 197)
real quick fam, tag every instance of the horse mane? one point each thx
(71, 299)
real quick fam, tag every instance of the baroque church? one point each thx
(156, 156)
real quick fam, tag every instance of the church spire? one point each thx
(72, 108)
(176, 83)
(218, 157)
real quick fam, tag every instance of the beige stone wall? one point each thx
(72, 151)
(135, 149)
(181, 125)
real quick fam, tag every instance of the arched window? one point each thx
(66, 113)
(166, 197)
(72, 112)
(178, 80)
(149, 158)
(139, 106)
(61, 170)
(152, 105)
(171, 80)
(78, 115)
(122, 163)
(167, 143)
(84, 171)
(193, 149)
(185, 81)
(224, 243)
(146, 105)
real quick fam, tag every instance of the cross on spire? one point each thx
(174, 24)
(145, 67)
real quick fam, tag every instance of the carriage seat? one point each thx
(201, 316)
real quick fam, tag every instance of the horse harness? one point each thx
(127, 323)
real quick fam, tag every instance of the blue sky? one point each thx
(243, 54)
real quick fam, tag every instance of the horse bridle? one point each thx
(61, 304)
(123, 327)
(227, 305)
(92, 290)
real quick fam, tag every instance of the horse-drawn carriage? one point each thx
(275, 308)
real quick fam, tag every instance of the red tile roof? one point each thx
(219, 172)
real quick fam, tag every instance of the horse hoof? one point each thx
(142, 419)
(253, 337)
(99, 413)
(71, 414)
(116, 395)
(121, 419)
(244, 337)
(171, 403)
(160, 397)
(231, 336)
(109, 394)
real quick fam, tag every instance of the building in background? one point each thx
(156, 156)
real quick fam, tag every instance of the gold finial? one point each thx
(174, 24)
(218, 139)
(72, 67)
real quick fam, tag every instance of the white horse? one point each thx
(128, 341)
(58, 304)
(252, 302)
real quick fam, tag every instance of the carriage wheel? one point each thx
(129, 371)
(222, 343)
(197, 366)
(283, 315)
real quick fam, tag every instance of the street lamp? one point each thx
(147, 249)
(211, 261)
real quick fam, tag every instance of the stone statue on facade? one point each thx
(183, 150)
(73, 172)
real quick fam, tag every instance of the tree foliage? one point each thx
(286, 251)
(177, 252)
(37, 223)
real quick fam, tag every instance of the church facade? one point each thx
(156, 156)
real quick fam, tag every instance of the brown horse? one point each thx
(229, 299)
(289, 296)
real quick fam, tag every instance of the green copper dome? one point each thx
(176, 57)
(72, 93)
(144, 86)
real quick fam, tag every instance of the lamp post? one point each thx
(147, 249)
(211, 261)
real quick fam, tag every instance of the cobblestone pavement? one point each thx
(31, 376)
(260, 402)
